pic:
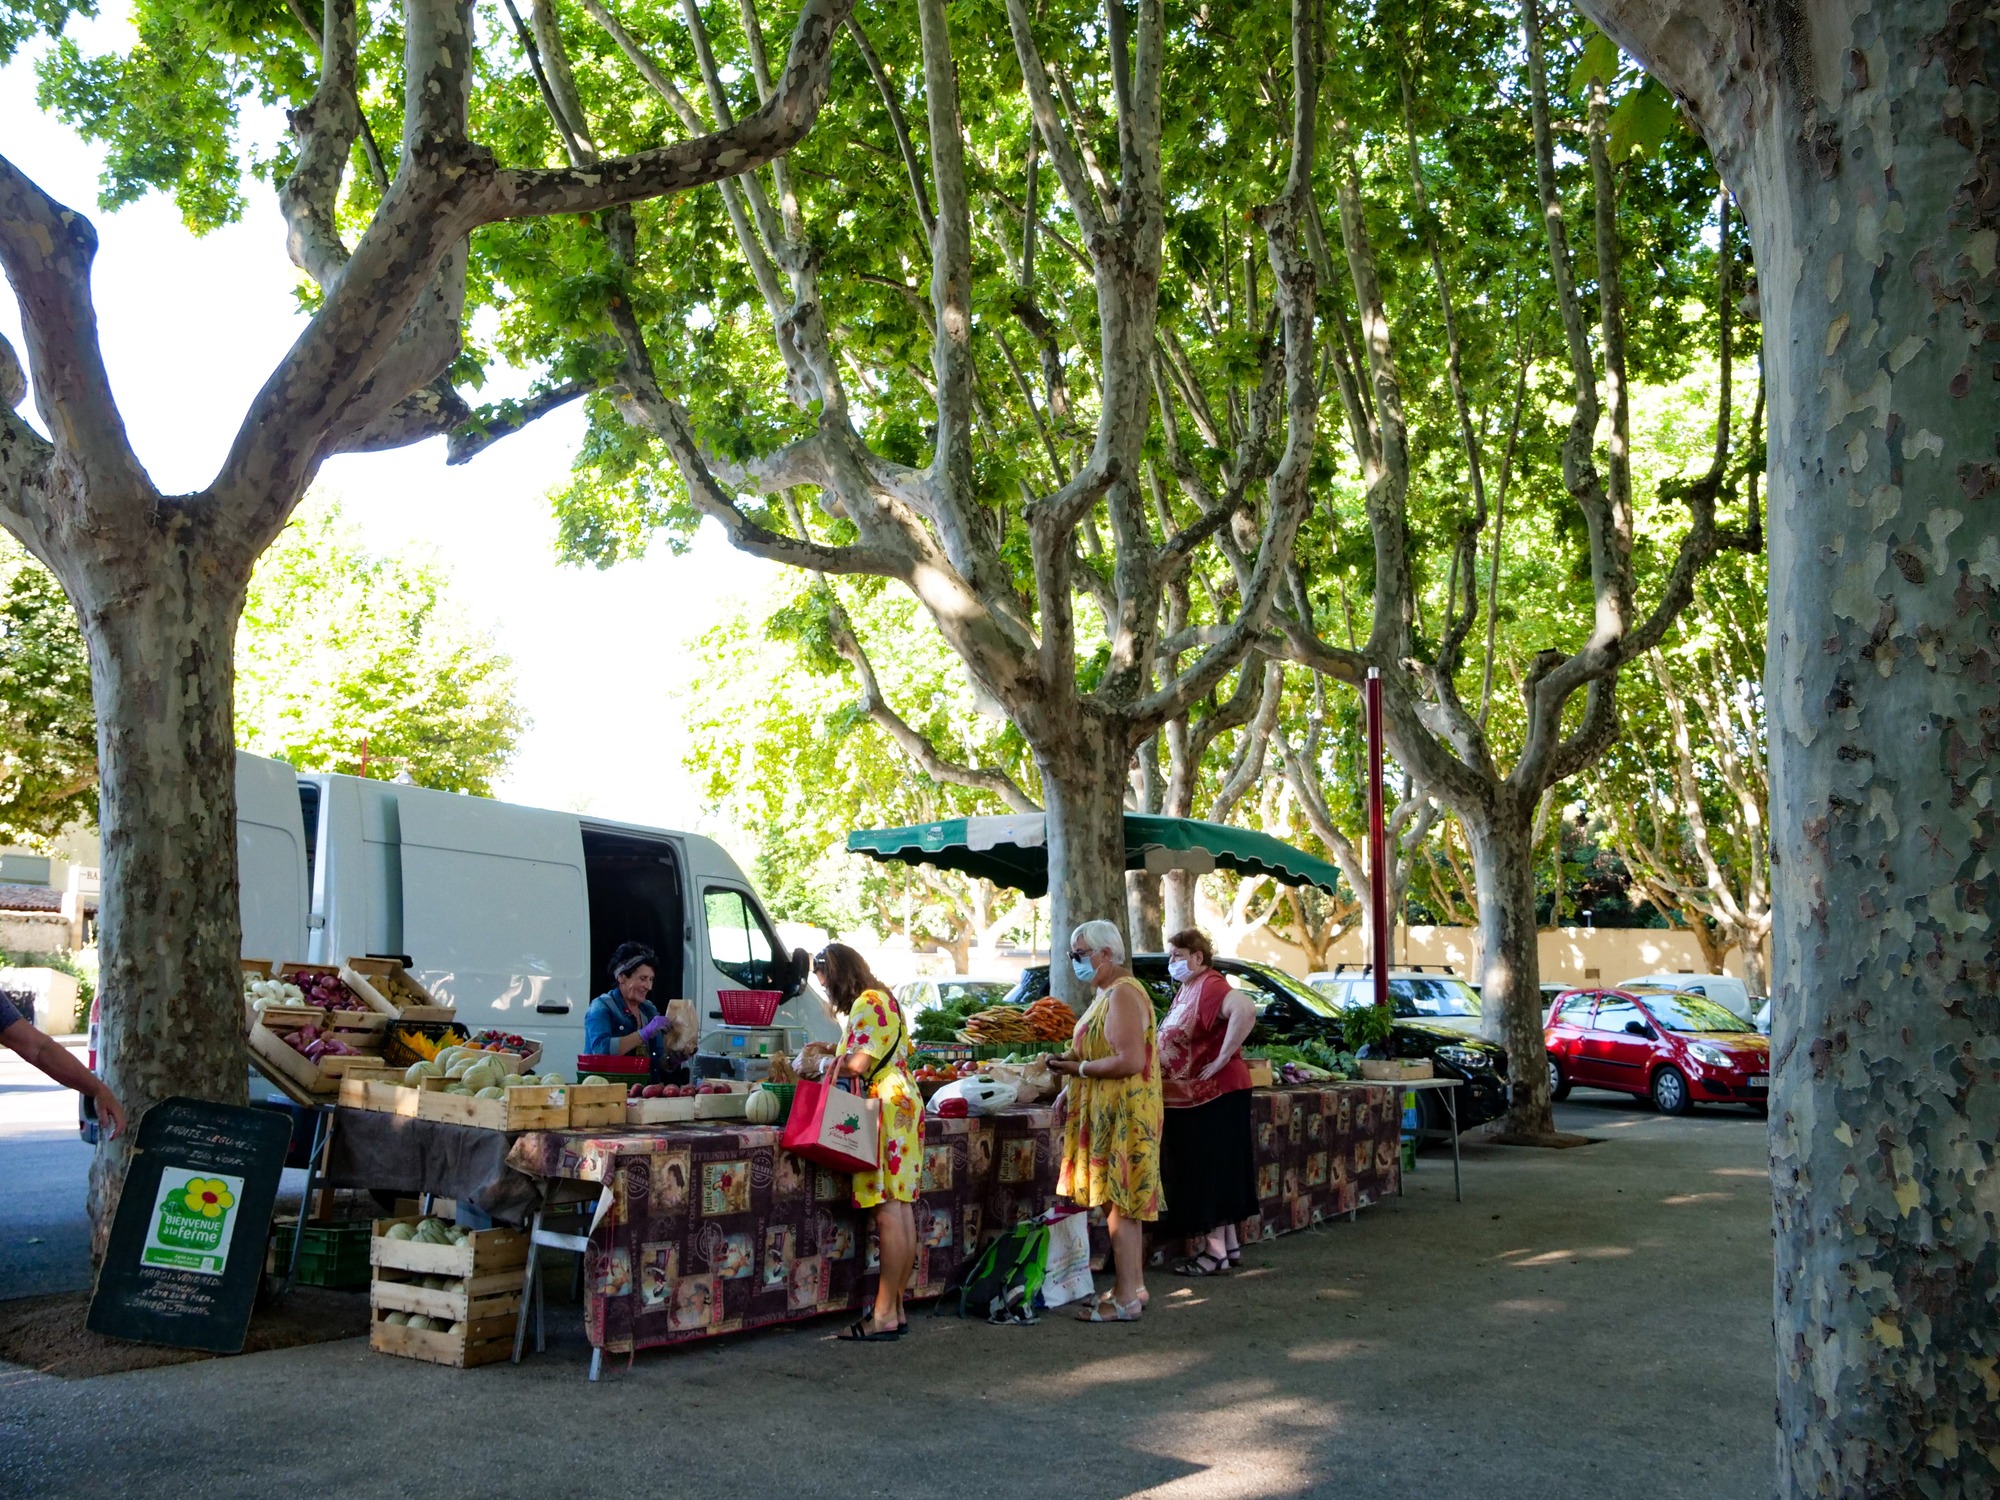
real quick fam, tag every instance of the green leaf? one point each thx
(1642, 121)
(1601, 59)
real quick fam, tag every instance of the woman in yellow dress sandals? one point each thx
(1111, 1133)
(874, 1046)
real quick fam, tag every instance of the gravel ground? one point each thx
(1587, 1322)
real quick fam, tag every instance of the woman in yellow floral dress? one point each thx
(1111, 1135)
(874, 1046)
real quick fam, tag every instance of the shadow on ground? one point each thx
(1585, 1322)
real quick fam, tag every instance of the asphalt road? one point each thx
(1588, 1322)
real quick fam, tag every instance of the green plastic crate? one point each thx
(333, 1255)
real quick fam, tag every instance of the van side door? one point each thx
(271, 878)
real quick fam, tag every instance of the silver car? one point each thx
(1443, 999)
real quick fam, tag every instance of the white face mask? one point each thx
(1179, 969)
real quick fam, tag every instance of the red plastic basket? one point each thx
(748, 1007)
(612, 1062)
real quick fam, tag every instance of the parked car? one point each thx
(1414, 995)
(1675, 1048)
(1726, 990)
(1289, 1009)
(920, 995)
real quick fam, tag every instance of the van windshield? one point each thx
(739, 944)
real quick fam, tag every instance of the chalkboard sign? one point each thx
(187, 1247)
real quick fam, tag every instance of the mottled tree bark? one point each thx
(1503, 872)
(1863, 143)
(1083, 781)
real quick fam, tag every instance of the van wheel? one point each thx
(1670, 1092)
(1558, 1084)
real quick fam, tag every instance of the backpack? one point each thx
(1004, 1282)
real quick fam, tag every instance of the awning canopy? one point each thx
(1013, 851)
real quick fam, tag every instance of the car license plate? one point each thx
(1760, 1080)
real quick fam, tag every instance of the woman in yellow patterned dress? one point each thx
(873, 1047)
(1111, 1134)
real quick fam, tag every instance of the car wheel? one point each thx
(1558, 1084)
(1670, 1091)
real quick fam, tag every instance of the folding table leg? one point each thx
(529, 1286)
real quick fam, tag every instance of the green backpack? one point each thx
(1005, 1281)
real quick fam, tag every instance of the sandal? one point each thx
(1123, 1312)
(859, 1333)
(1201, 1264)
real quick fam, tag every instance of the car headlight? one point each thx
(1715, 1057)
(1467, 1059)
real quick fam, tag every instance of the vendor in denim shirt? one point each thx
(622, 1021)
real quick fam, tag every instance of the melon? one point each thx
(399, 1232)
(762, 1108)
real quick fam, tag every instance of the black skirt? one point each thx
(1208, 1169)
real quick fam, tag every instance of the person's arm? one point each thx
(53, 1058)
(1238, 1015)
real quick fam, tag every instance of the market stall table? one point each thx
(705, 1230)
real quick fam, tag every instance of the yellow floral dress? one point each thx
(875, 1027)
(1111, 1135)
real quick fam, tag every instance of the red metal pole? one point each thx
(1378, 845)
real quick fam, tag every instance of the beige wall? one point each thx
(1569, 955)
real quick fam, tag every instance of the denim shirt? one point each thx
(608, 1019)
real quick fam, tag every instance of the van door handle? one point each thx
(552, 1010)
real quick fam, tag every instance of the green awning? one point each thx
(1013, 850)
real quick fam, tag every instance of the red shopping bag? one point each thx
(833, 1128)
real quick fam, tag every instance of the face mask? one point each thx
(1084, 969)
(1178, 969)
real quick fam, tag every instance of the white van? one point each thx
(509, 913)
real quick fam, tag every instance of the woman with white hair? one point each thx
(1111, 1133)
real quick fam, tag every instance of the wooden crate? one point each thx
(274, 1055)
(513, 1062)
(730, 1106)
(659, 1111)
(383, 1094)
(367, 996)
(485, 1252)
(1261, 1075)
(486, 1341)
(497, 1294)
(1395, 1069)
(536, 1106)
(596, 1104)
(360, 974)
(261, 967)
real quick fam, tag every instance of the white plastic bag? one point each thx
(1067, 1278)
(982, 1095)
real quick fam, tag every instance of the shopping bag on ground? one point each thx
(838, 1130)
(1001, 1282)
(1066, 1277)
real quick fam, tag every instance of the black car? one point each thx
(1290, 1010)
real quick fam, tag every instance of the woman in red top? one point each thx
(1207, 1167)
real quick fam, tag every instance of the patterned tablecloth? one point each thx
(709, 1229)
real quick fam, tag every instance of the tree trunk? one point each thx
(1503, 868)
(1144, 909)
(1177, 893)
(162, 675)
(1750, 943)
(1863, 142)
(1083, 777)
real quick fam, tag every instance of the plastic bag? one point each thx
(982, 1095)
(1032, 1082)
(1066, 1277)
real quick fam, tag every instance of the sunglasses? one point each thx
(1080, 955)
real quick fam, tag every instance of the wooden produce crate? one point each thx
(513, 1062)
(539, 1106)
(367, 996)
(595, 1104)
(419, 1041)
(1261, 1074)
(1395, 1069)
(380, 1093)
(274, 1057)
(384, 980)
(487, 1341)
(291, 1017)
(730, 1106)
(260, 967)
(488, 1267)
(659, 1111)
(484, 1252)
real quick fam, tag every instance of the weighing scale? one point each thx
(745, 1053)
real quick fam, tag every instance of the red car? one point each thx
(1676, 1049)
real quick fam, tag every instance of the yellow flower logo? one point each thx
(207, 1196)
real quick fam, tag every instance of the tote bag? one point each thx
(835, 1129)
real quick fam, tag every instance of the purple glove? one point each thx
(653, 1028)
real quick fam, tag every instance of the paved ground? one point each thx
(1589, 1322)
